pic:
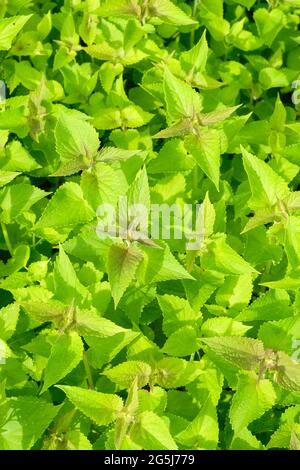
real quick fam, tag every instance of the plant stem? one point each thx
(61, 426)
(195, 179)
(6, 238)
(88, 371)
(192, 37)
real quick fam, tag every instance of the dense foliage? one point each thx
(132, 342)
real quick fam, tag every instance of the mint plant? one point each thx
(150, 225)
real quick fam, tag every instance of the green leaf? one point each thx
(203, 431)
(288, 283)
(199, 290)
(88, 246)
(17, 199)
(122, 265)
(181, 343)
(67, 208)
(9, 28)
(195, 59)
(269, 23)
(155, 400)
(139, 190)
(293, 200)
(113, 154)
(134, 116)
(263, 182)
(177, 313)
(211, 15)
(14, 120)
(247, 3)
(180, 128)
(170, 13)
(66, 284)
(278, 119)
(18, 261)
(118, 8)
(18, 158)
(180, 160)
(271, 305)
(288, 373)
(75, 440)
(209, 382)
(246, 353)
(125, 373)
(48, 310)
(205, 149)
(5, 352)
(217, 116)
(102, 185)
(292, 241)
(89, 323)
(272, 78)
(162, 266)
(179, 97)
(172, 372)
(6, 177)
(243, 39)
(221, 257)
(245, 440)
(285, 436)
(77, 143)
(236, 292)
(152, 433)
(251, 400)
(25, 420)
(104, 349)
(9, 316)
(279, 335)
(223, 326)
(66, 353)
(102, 408)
